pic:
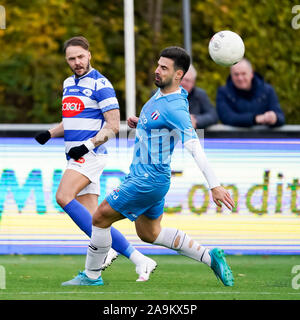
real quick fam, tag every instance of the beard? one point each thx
(82, 71)
(162, 84)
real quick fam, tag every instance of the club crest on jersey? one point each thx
(155, 115)
(87, 92)
(72, 106)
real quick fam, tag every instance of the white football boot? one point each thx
(145, 268)
(111, 256)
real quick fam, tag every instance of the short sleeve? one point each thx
(105, 95)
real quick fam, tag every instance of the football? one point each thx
(226, 48)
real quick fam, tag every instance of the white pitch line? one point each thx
(137, 293)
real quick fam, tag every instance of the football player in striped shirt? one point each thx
(90, 116)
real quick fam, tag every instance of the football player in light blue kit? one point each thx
(90, 113)
(164, 120)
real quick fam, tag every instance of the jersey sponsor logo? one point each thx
(155, 115)
(80, 160)
(72, 106)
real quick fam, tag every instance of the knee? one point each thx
(148, 236)
(63, 198)
(98, 217)
(101, 217)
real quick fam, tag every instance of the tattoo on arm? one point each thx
(110, 129)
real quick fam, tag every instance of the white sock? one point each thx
(178, 240)
(136, 257)
(97, 251)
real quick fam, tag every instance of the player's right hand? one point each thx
(43, 137)
(132, 122)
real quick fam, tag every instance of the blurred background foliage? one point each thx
(32, 65)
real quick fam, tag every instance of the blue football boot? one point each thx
(83, 280)
(220, 267)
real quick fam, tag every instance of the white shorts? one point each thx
(90, 165)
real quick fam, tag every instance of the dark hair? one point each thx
(180, 57)
(76, 41)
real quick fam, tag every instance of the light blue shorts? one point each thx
(134, 198)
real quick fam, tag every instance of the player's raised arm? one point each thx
(44, 136)
(220, 194)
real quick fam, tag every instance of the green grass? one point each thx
(39, 277)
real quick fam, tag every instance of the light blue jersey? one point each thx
(164, 120)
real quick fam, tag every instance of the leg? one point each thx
(72, 182)
(81, 209)
(80, 177)
(98, 248)
(151, 231)
(101, 239)
(70, 185)
(119, 242)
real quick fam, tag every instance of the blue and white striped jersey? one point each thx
(85, 99)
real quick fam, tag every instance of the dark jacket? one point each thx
(201, 107)
(239, 107)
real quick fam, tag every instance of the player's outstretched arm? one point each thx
(220, 194)
(110, 130)
(44, 136)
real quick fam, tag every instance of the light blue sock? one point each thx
(81, 216)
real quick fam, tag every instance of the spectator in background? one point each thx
(202, 112)
(247, 100)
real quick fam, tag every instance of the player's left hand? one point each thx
(221, 195)
(78, 152)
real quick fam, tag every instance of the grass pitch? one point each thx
(39, 277)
